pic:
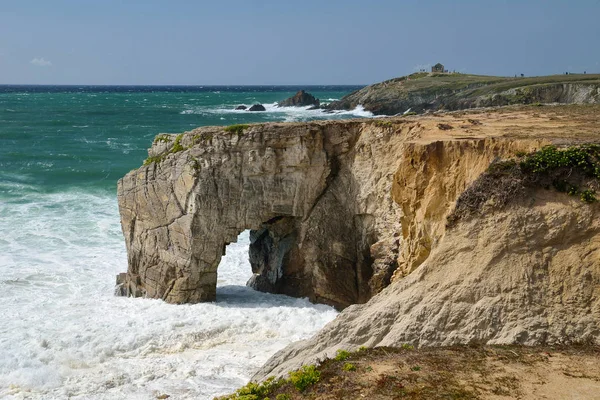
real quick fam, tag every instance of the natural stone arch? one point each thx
(291, 184)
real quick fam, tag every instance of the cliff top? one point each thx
(425, 91)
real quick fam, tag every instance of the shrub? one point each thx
(177, 147)
(163, 139)
(349, 367)
(304, 377)
(588, 196)
(341, 355)
(255, 391)
(574, 170)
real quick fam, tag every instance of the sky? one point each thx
(274, 42)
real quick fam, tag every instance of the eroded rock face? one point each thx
(339, 209)
(307, 192)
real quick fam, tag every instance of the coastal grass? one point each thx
(573, 170)
(176, 148)
(238, 129)
(458, 372)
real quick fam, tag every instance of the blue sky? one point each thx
(289, 42)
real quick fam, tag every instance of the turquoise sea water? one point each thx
(62, 332)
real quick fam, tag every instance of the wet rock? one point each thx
(300, 99)
(257, 107)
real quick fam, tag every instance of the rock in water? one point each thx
(241, 107)
(300, 99)
(257, 107)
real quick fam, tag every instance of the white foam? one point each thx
(287, 114)
(63, 333)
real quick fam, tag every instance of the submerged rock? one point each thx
(257, 107)
(300, 99)
(241, 107)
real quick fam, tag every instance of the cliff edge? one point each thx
(423, 91)
(347, 212)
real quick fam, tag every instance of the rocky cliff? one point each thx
(341, 209)
(422, 91)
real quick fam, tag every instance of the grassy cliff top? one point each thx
(422, 81)
(431, 91)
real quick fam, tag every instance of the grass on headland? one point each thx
(574, 170)
(176, 148)
(460, 373)
(237, 129)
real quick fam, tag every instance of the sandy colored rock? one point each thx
(339, 209)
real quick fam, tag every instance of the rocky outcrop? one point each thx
(310, 192)
(525, 274)
(300, 99)
(430, 92)
(347, 211)
(257, 107)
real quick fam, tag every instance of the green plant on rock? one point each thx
(349, 367)
(238, 129)
(255, 391)
(304, 377)
(588, 196)
(163, 139)
(177, 147)
(341, 355)
(152, 159)
(283, 396)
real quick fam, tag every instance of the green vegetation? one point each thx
(152, 159)
(238, 129)
(176, 148)
(349, 367)
(384, 124)
(305, 377)
(255, 391)
(459, 373)
(163, 139)
(567, 169)
(573, 170)
(452, 91)
(406, 346)
(341, 355)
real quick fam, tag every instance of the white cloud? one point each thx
(40, 62)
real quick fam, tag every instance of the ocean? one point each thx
(63, 333)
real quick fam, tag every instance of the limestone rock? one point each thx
(346, 211)
(300, 99)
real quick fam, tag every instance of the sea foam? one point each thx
(63, 333)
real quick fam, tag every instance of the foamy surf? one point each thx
(64, 334)
(286, 114)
